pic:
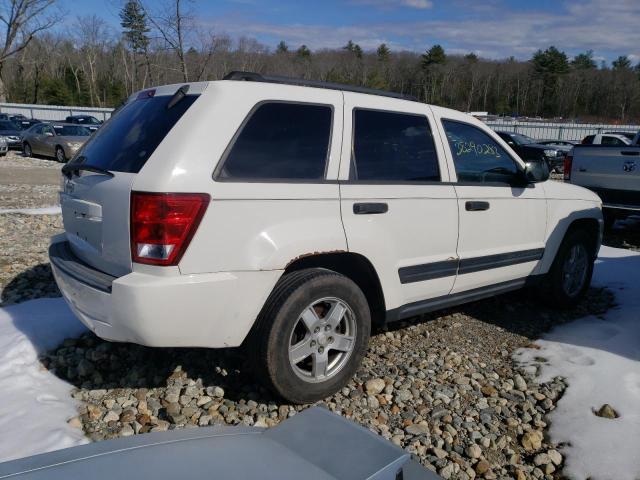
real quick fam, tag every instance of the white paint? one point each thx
(600, 359)
(53, 210)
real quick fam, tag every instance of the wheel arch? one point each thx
(588, 220)
(353, 266)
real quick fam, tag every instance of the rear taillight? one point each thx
(568, 162)
(162, 225)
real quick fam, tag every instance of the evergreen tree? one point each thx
(303, 51)
(134, 23)
(584, 61)
(434, 56)
(383, 52)
(621, 63)
(282, 47)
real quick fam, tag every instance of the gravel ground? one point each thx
(443, 386)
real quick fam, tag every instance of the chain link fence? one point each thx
(557, 130)
(53, 112)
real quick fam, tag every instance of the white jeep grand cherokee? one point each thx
(294, 215)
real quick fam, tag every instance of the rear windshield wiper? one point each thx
(179, 95)
(70, 168)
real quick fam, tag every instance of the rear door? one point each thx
(95, 207)
(397, 210)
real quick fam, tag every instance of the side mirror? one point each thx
(536, 172)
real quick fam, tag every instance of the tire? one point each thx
(281, 325)
(26, 150)
(559, 289)
(60, 155)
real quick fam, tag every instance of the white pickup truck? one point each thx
(613, 172)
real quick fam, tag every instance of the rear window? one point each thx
(71, 131)
(287, 141)
(129, 138)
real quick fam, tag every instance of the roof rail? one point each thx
(301, 82)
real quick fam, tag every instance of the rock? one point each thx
(541, 459)
(403, 395)
(482, 467)
(555, 457)
(489, 391)
(473, 451)
(203, 401)
(218, 392)
(440, 453)
(126, 431)
(75, 422)
(606, 411)
(127, 416)
(374, 386)
(111, 416)
(519, 383)
(532, 440)
(417, 429)
(448, 471)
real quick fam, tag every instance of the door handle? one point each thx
(634, 153)
(370, 208)
(476, 206)
(582, 169)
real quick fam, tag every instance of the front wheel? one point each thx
(572, 269)
(26, 149)
(311, 335)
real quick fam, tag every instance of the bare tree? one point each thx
(22, 20)
(172, 22)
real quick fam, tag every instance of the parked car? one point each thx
(530, 150)
(88, 121)
(58, 140)
(317, 211)
(25, 123)
(611, 139)
(613, 172)
(561, 145)
(629, 135)
(11, 133)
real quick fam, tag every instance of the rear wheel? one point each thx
(26, 150)
(311, 335)
(60, 155)
(572, 269)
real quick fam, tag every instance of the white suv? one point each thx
(294, 215)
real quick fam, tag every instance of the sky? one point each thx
(490, 28)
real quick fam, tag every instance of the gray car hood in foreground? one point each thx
(313, 445)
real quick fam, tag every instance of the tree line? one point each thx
(90, 63)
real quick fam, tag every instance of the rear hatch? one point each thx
(98, 181)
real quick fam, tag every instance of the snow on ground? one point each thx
(54, 210)
(35, 404)
(600, 358)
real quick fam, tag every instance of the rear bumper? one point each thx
(205, 310)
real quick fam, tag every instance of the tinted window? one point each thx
(477, 157)
(72, 131)
(588, 140)
(127, 140)
(393, 146)
(606, 140)
(281, 141)
(7, 125)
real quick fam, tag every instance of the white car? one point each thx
(610, 139)
(295, 215)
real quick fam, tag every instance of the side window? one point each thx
(281, 141)
(608, 140)
(393, 146)
(48, 129)
(477, 157)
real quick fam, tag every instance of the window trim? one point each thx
(217, 172)
(470, 182)
(352, 156)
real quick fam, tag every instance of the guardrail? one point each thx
(53, 112)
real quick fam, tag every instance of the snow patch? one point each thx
(35, 404)
(53, 210)
(600, 359)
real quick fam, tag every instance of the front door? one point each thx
(502, 223)
(397, 209)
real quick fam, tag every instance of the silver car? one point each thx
(58, 140)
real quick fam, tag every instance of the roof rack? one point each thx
(301, 82)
